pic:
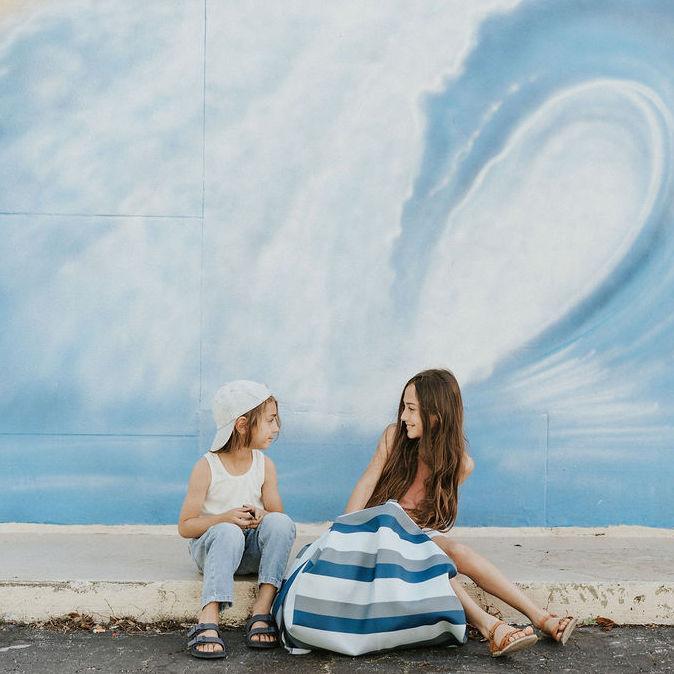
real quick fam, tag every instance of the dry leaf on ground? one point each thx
(605, 623)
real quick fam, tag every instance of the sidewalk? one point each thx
(144, 572)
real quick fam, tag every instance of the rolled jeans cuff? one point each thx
(270, 581)
(222, 602)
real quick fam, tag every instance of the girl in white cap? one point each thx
(233, 515)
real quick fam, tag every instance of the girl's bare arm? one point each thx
(368, 481)
(467, 466)
(271, 499)
(192, 523)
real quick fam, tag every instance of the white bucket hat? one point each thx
(232, 401)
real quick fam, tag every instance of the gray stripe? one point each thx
(294, 642)
(387, 609)
(445, 639)
(387, 508)
(383, 556)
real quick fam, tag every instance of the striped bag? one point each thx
(374, 581)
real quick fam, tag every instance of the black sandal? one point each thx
(195, 639)
(270, 629)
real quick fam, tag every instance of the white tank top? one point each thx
(231, 491)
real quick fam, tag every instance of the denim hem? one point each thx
(270, 581)
(222, 603)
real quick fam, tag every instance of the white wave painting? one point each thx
(329, 198)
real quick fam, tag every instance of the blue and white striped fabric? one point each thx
(374, 581)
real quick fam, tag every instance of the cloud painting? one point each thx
(329, 198)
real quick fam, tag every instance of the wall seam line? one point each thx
(545, 477)
(55, 214)
(203, 211)
(97, 435)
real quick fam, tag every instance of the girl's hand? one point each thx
(242, 517)
(257, 515)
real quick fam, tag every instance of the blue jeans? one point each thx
(226, 549)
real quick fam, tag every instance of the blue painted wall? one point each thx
(329, 197)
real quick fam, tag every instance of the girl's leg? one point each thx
(269, 546)
(484, 622)
(489, 578)
(217, 553)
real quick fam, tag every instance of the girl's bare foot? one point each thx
(204, 641)
(504, 638)
(262, 607)
(262, 638)
(209, 648)
(267, 638)
(209, 614)
(556, 627)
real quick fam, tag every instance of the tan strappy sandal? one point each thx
(505, 646)
(566, 633)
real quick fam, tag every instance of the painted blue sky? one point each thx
(329, 198)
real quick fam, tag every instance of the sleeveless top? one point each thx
(228, 491)
(415, 494)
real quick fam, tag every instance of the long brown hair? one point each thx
(441, 447)
(238, 440)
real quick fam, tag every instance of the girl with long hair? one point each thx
(420, 461)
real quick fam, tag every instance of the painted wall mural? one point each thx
(329, 197)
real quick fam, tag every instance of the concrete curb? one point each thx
(623, 573)
(30, 602)
(626, 603)
(630, 603)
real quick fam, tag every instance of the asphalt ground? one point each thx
(622, 649)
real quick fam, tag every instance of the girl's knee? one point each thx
(465, 558)
(279, 523)
(227, 532)
(460, 549)
(457, 551)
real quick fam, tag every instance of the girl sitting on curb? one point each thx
(233, 515)
(421, 461)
